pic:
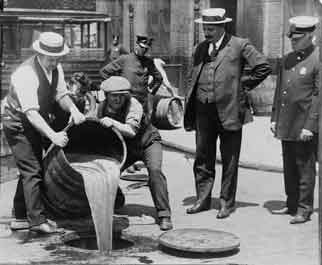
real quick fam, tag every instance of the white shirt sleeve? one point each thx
(26, 83)
(61, 84)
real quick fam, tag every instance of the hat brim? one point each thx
(37, 48)
(118, 92)
(296, 35)
(143, 45)
(200, 21)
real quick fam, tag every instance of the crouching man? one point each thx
(123, 112)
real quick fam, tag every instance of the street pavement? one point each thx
(265, 239)
(260, 150)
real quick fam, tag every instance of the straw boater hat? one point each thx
(50, 44)
(302, 24)
(116, 85)
(213, 16)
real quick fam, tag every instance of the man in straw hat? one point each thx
(35, 87)
(217, 106)
(143, 141)
(294, 118)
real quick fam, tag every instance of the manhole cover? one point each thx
(199, 240)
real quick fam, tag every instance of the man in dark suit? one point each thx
(216, 106)
(295, 118)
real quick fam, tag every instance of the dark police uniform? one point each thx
(295, 108)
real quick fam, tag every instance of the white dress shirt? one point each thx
(218, 43)
(25, 84)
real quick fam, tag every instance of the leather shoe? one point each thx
(284, 210)
(46, 228)
(199, 206)
(165, 223)
(300, 218)
(224, 212)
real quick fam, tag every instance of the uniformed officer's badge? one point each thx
(303, 71)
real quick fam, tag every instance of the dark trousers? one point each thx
(26, 146)
(208, 129)
(152, 158)
(299, 174)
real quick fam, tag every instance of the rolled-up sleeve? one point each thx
(25, 84)
(61, 84)
(134, 114)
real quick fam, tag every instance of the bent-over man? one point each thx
(35, 87)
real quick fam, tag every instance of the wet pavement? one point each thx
(265, 239)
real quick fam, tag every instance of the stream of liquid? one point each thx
(101, 178)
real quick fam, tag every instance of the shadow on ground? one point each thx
(273, 205)
(137, 210)
(277, 205)
(196, 255)
(215, 203)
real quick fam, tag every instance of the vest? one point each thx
(205, 91)
(146, 135)
(46, 93)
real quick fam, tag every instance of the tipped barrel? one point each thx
(64, 192)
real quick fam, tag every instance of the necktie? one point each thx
(212, 51)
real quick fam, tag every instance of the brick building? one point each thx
(171, 24)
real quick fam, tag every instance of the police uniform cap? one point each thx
(302, 24)
(144, 41)
(116, 85)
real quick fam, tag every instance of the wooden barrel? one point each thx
(64, 192)
(167, 112)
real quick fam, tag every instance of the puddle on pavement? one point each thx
(90, 243)
(84, 247)
(121, 244)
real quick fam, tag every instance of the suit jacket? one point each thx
(230, 86)
(296, 100)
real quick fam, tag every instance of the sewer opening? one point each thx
(90, 243)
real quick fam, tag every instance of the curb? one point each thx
(244, 164)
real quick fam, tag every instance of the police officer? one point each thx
(295, 118)
(136, 67)
(143, 141)
(35, 87)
